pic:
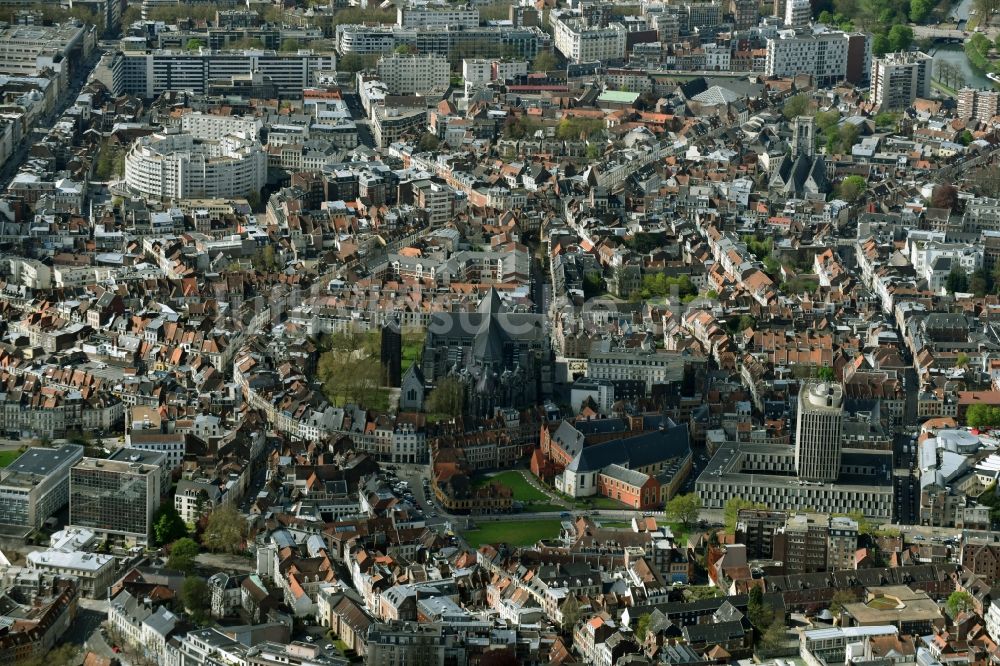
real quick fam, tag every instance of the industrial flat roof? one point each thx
(41, 461)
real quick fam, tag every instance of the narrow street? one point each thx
(68, 97)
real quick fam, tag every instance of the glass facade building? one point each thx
(114, 498)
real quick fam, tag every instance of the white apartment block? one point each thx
(148, 74)
(798, 13)
(993, 620)
(981, 105)
(477, 71)
(207, 126)
(582, 43)
(822, 55)
(413, 74)
(508, 69)
(923, 254)
(717, 58)
(900, 78)
(425, 15)
(631, 80)
(353, 38)
(179, 166)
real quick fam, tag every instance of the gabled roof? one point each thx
(634, 452)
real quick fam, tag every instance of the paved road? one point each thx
(921, 31)
(86, 629)
(10, 168)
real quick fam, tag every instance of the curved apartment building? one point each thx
(178, 166)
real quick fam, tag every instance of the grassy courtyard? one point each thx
(7, 457)
(514, 532)
(413, 346)
(534, 500)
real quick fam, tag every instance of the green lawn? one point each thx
(615, 524)
(516, 533)
(599, 502)
(523, 491)
(7, 457)
(594, 502)
(413, 346)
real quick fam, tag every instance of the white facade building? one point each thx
(178, 166)
(798, 13)
(208, 126)
(413, 74)
(424, 15)
(95, 572)
(822, 55)
(717, 58)
(150, 73)
(900, 78)
(582, 43)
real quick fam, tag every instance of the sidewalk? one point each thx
(534, 483)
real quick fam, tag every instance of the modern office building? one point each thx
(701, 15)
(825, 55)
(36, 485)
(818, 431)
(424, 15)
(116, 499)
(151, 456)
(150, 73)
(178, 166)
(414, 74)
(765, 473)
(25, 50)
(481, 42)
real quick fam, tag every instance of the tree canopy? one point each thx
(796, 105)
(957, 280)
(982, 416)
(168, 526)
(447, 398)
(684, 509)
(197, 599)
(851, 188)
(225, 531)
(958, 602)
(183, 554)
(944, 195)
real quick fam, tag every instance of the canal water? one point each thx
(954, 54)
